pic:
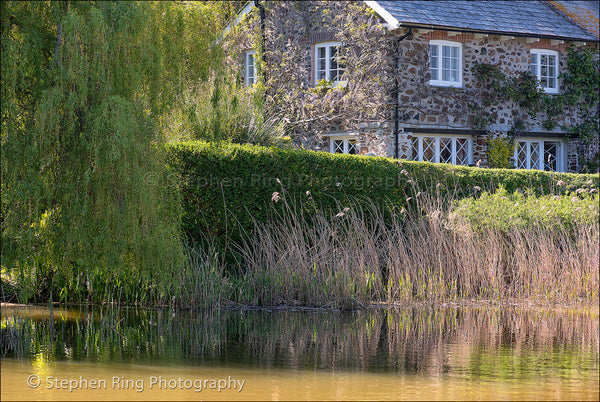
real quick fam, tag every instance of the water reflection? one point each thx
(474, 342)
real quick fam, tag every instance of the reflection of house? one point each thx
(426, 111)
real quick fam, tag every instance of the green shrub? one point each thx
(499, 152)
(507, 212)
(225, 187)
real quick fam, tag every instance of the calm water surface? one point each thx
(445, 353)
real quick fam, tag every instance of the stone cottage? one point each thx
(404, 79)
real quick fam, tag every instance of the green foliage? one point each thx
(224, 110)
(226, 187)
(495, 87)
(581, 82)
(508, 212)
(87, 208)
(500, 151)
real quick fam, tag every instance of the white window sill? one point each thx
(447, 84)
(334, 84)
(551, 91)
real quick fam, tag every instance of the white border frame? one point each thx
(327, 46)
(247, 55)
(538, 73)
(420, 136)
(246, 10)
(345, 138)
(440, 82)
(561, 163)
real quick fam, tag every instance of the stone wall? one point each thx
(424, 106)
(365, 105)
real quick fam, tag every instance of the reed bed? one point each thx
(492, 246)
(432, 252)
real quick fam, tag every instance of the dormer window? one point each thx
(328, 65)
(445, 63)
(250, 67)
(544, 66)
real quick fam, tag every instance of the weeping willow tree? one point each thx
(88, 212)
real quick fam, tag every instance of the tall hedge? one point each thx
(226, 186)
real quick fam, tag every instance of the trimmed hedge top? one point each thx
(225, 186)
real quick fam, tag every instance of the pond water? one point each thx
(412, 353)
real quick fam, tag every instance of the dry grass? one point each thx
(357, 257)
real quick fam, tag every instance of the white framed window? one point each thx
(328, 65)
(445, 63)
(250, 67)
(457, 150)
(343, 145)
(540, 154)
(544, 66)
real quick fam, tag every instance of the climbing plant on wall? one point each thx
(288, 89)
(579, 100)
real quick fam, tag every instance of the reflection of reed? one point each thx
(397, 340)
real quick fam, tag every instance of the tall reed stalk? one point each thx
(427, 254)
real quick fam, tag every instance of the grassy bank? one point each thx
(494, 246)
(433, 255)
(267, 226)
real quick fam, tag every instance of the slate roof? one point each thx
(535, 18)
(583, 13)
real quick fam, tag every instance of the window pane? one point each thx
(338, 146)
(446, 150)
(462, 149)
(521, 159)
(550, 155)
(543, 59)
(445, 51)
(445, 62)
(434, 62)
(429, 149)
(535, 155)
(333, 75)
(454, 64)
(333, 58)
(321, 53)
(414, 149)
(454, 76)
(351, 147)
(534, 58)
(250, 69)
(445, 75)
